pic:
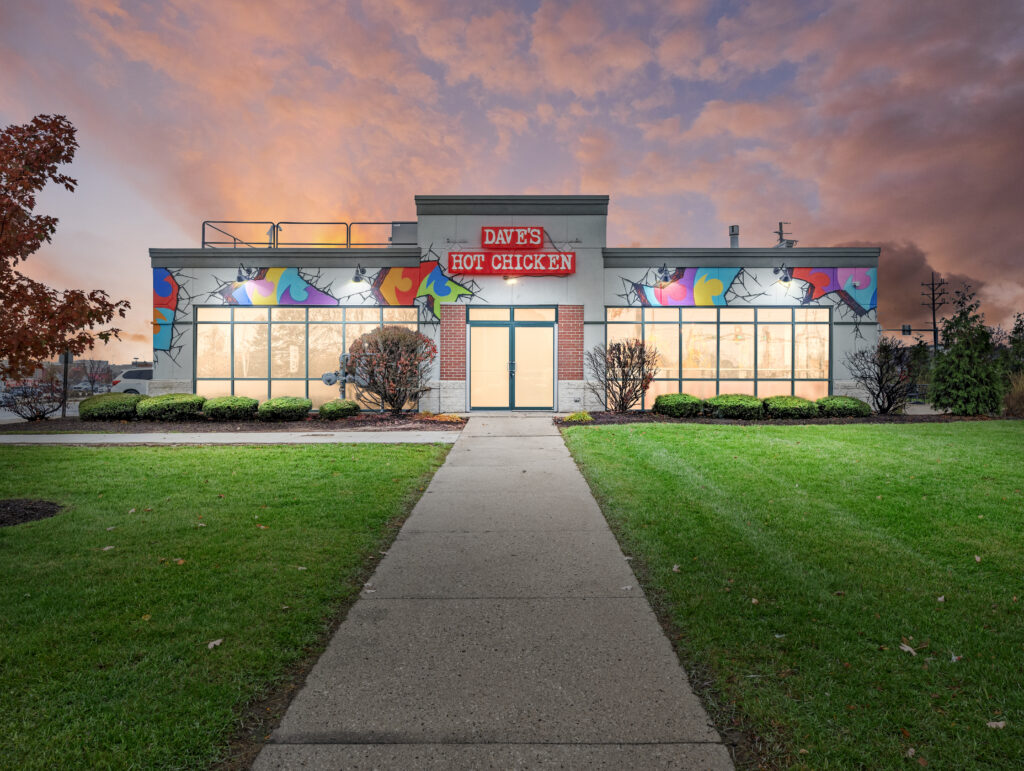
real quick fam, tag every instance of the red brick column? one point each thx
(570, 342)
(453, 342)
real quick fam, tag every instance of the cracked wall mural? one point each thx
(274, 286)
(855, 289)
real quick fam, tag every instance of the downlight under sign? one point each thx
(512, 251)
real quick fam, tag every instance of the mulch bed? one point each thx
(362, 422)
(615, 418)
(15, 511)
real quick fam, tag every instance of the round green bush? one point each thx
(789, 407)
(230, 408)
(678, 405)
(734, 406)
(338, 408)
(109, 407)
(170, 407)
(578, 417)
(843, 407)
(284, 408)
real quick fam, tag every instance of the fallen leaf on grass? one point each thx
(110, 528)
(839, 594)
(803, 751)
(977, 558)
(953, 658)
(147, 617)
(941, 598)
(910, 752)
(131, 510)
(106, 548)
(996, 724)
(262, 527)
(906, 733)
(675, 568)
(908, 649)
(300, 567)
(753, 600)
(214, 643)
(179, 561)
(922, 762)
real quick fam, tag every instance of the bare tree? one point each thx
(886, 372)
(621, 373)
(96, 372)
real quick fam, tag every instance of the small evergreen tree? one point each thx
(966, 377)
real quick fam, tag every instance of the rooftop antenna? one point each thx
(784, 243)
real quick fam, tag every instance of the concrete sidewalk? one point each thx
(503, 629)
(240, 437)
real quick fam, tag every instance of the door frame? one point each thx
(511, 325)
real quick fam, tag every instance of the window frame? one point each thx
(269, 323)
(755, 325)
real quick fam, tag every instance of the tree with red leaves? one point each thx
(390, 365)
(37, 322)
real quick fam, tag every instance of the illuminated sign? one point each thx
(518, 238)
(512, 263)
(512, 251)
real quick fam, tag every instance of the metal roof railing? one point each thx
(216, 236)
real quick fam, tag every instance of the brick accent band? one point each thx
(453, 342)
(570, 342)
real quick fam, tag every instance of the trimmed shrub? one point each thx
(230, 408)
(170, 407)
(109, 407)
(284, 408)
(678, 405)
(339, 408)
(735, 406)
(842, 407)
(1013, 402)
(789, 407)
(578, 417)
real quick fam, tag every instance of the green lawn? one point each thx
(847, 536)
(104, 656)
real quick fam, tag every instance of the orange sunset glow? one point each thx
(869, 123)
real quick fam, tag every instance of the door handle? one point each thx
(512, 369)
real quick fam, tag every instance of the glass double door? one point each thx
(511, 359)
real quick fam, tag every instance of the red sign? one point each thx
(515, 238)
(512, 263)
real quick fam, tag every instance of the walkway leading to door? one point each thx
(503, 629)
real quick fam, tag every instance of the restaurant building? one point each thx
(513, 290)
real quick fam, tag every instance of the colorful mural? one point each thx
(689, 286)
(165, 307)
(274, 286)
(402, 286)
(856, 288)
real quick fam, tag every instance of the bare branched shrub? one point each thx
(34, 401)
(621, 372)
(886, 373)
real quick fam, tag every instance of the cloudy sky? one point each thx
(899, 124)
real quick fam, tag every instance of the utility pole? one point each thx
(934, 295)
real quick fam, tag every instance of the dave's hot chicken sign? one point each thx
(512, 251)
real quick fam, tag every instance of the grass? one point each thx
(104, 659)
(847, 537)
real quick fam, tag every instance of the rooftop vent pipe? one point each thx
(734, 236)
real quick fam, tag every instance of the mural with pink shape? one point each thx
(856, 287)
(165, 306)
(688, 287)
(273, 286)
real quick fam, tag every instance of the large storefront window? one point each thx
(709, 351)
(281, 350)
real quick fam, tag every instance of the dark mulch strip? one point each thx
(614, 419)
(15, 511)
(362, 422)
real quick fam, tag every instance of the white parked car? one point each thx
(132, 381)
